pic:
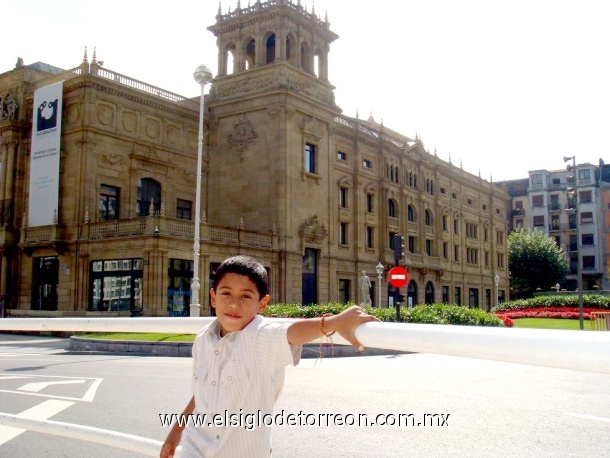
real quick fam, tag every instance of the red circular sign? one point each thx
(398, 277)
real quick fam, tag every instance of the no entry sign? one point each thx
(398, 277)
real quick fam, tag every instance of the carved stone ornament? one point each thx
(243, 134)
(312, 231)
(344, 182)
(370, 188)
(113, 159)
(8, 107)
(312, 127)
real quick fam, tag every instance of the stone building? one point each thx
(316, 195)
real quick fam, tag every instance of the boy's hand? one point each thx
(346, 322)
(171, 443)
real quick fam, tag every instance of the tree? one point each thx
(534, 261)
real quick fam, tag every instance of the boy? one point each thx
(239, 361)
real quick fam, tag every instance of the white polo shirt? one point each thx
(239, 374)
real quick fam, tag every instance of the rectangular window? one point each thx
(456, 253)
(116, 285)
(585, 197)
(445, 294)
(343, 197)
(587, 239)
(183, 209)
(473, 298)
(392, 236)
(518, 205)
(370, 237)
(310, 158)
(538, 200)
(180, 275)
(586, 217)
(501, 260)
(588, 262)
(341, 156)
(539, 221)
(487, 259)
(429, 247)
(411, 244)
(344, 290)
(109, 203)
(343, 234)
(458, 295)
(445, 217)
(369, 203)
(445, 250)
(555, 223)
(584, 175)
(367, 164)
(472, 231)
(455, 226)
(536, 178)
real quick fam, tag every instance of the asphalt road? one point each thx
(451, 406)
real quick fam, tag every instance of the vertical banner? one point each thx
(44, 157)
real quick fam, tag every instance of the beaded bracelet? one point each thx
(322, 330)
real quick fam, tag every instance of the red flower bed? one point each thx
(569, 313)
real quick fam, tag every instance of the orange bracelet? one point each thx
(322, 331)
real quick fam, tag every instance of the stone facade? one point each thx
(316, 195)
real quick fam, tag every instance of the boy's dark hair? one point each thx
(245, 265)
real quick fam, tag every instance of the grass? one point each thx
(550, 323)
(151, 337)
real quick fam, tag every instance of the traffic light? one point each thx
(399, 247)
(401, 298)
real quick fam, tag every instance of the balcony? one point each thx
(555, 207)
(146, 227)
(517, 212)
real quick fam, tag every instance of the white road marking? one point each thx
(42, 411)
(37, 386)
(588, 417)
(87, 397)
(22, 342)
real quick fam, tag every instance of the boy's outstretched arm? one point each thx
(173, 438)
(345, 323)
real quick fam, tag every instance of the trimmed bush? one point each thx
(595, 301)
(423, 313)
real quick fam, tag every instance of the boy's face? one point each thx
(237, 301)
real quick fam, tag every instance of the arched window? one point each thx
(410, 213)
(250, 54)
(149, 191)
(392, 208)
(428, 218)
(396, 174)
(229, 60)
(429, 293)
(412, 293)
(270, 49)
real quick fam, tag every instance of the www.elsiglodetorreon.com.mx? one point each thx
(250, 421)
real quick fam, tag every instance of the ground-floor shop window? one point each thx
(45, 281)
(116, 285)
(179, 290)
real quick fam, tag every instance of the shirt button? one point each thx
(216, 352)
(230, 378)
(217, 437)
(213, 383)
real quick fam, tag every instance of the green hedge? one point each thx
(567, 300)
(423, 313)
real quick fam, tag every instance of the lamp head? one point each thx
(379, 268)
(203, 75)
(568, 158)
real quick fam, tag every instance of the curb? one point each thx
(183, 349)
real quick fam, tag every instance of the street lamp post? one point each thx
(496, 281)
(379, 269)
(203, 76)
(573, 191)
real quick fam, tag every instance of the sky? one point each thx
(499, 87)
